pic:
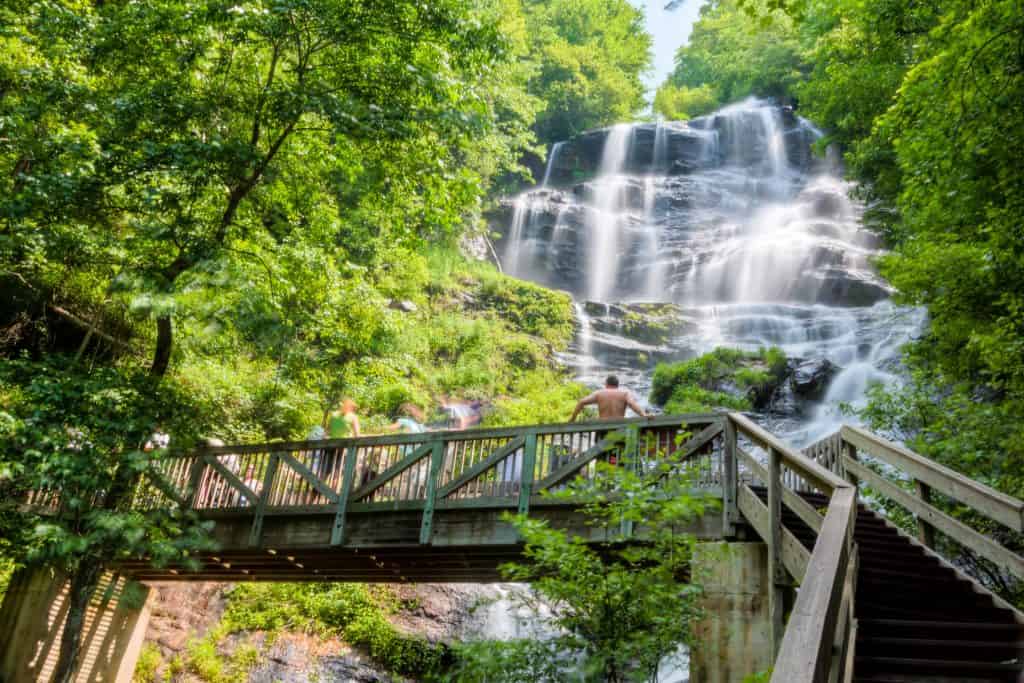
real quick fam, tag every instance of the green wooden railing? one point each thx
(506, 468)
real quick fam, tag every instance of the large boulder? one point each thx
(810, 378)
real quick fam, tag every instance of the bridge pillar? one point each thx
(733, 639)
(32, 618)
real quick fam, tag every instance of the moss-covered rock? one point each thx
(649, 323)
(724, 378)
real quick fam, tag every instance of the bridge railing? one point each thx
(915, 483)
(501, 468)
(817, 643)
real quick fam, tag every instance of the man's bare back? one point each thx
(611, 402)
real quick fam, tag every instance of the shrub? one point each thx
(355, 612)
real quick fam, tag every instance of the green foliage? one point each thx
(526, 660)
(724, 378)
(65, 428)
(205, 659)
(736, 49)
(539, 397)
(679, 102)
(617, 609)
(148, 664)
(355, 612)
(589, 57)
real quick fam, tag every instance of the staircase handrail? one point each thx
(985, 500)
(928, 476)
(816, 644)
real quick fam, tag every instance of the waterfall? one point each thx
(605, 216)
(731, 218)
(552, 158)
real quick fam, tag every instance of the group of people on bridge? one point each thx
(343, 422)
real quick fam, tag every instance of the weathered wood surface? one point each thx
(993, 504)
(806, 653)
(952, 527)
(815, 643)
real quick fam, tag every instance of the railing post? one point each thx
(436, 461)
(347, 482)
(264, 496)
(776, 571)
(730, 478)
(195, 476)
(848, 450)
(925, 531)
(526, 475)
(630, 458)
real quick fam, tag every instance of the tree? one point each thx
(77, 435)
(616, 608)
(589, 56)
(738, 49)
(679, 103)
(158, 155)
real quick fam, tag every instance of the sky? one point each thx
(670, 30)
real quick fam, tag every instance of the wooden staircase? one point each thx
(918, 619)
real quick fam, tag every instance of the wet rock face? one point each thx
(810, 378)
(684, 149)
(656, 324)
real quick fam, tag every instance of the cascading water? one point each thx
(735, 222)
(723, 231)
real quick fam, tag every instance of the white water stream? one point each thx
(731, 217)
(734, 220)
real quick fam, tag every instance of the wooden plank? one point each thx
(795, 556)
(261, 507)
(436, 461)
(925, 531)
(307, 474)
(703, 438)
(776, 598)
(630, 459)
(574, 465)
(954, 528)
(993, 504)
(165, 487)
(804, 466)
(195, 475)
(232, 480)
(348, 481)
(484, 465)
(730, 478)
(806, 652)
(804, 510)
(526, 475)
(392, 472)
(461, 434)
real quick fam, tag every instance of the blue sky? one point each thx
(670, 30)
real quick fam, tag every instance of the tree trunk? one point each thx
(164, 345)
(83, 584)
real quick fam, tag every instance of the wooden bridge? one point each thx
(850, 597)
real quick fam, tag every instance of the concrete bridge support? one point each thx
(32, 618)
(733, 638)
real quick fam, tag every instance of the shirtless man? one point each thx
(611, 402)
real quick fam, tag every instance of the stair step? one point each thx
(955, 669)
(978, 630)
(887, 610)
(932, 648)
